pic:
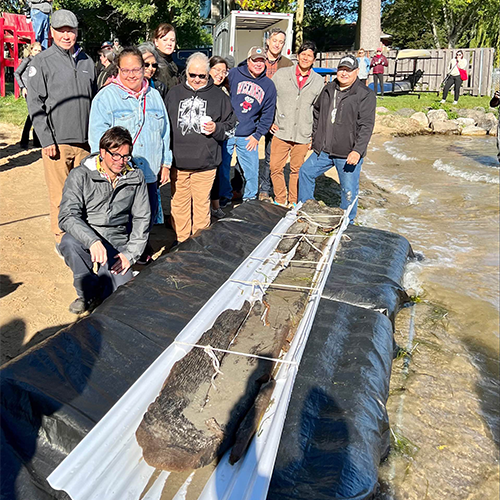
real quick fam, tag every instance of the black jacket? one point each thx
(169, 75)
(192, 149)
(354, 119)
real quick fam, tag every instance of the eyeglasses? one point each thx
(152, 65)
(220, 71)
(134, 71)
(118, 156)
(201, 77)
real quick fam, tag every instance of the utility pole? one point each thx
(369, 24)
(299, 28)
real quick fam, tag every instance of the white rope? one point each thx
(303, 234)
(284, 261)
(244, 354)
(255, 283)
(215, 363)
(304, 237)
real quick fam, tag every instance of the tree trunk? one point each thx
(369, 20)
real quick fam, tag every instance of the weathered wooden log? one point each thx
(250, 423)
(326, 224)
(288, 242)
(165, 435)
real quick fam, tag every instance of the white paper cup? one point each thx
(203, 121)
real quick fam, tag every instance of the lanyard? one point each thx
(143, 121)
(334, 110)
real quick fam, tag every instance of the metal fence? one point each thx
(480, 71)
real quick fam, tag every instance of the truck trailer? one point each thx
(240, 30)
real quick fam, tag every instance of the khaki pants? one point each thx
(190, 204)
(279, 155)
(56, 172)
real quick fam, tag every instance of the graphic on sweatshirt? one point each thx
(251, 89)
(188, 116)
(246, 105)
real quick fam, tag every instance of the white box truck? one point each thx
(240, 30)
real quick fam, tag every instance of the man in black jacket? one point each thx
(343, 120)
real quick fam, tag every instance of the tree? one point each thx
(442, 23)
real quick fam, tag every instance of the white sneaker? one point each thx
(455, 102)
(442, 101)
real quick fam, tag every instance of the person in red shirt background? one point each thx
(378, 63)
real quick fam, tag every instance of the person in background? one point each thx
(117, 48)
(292, 127)
(453, 77)
(152, 70)
(201, 116)
(21, 75)
(107, 59)
(274, 61)
(128, 101)
(105, 215)
(344, 117)
(495, 101)
(40, 16)
(364, 66)
(378, 63)
(61, 85)
(104, 47)
(164, 38)
(222, 184)
(253, 96)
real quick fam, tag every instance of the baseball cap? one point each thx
(106, 45)
(62, 18)
(348, 62)
(256, 53)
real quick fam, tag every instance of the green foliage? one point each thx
(267, 5)
(442, 23)
(12, 110)
(324, 22)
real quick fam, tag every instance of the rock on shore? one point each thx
(475, 122)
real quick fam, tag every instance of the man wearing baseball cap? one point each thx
(253, 97)
(343, 120)
(61, 84)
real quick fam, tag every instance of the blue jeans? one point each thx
(316, 165)
(249, 162)
(265, 173)
(40, 27)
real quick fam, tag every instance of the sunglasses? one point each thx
(151, 65)
(118, 156)
(201, 77)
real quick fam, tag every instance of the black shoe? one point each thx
(224, 202)
(79, 305)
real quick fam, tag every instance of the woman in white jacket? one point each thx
(453, 77)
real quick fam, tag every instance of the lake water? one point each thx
(443, 196)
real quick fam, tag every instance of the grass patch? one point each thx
(13, 111)
(431, 101)
(402, 445)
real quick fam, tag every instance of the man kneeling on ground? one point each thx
(105, 215)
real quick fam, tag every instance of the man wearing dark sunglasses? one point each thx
(105, 214)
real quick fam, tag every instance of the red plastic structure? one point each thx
(15, 31)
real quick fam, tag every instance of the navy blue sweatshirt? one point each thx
(253, 100)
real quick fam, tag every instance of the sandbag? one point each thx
(337, 427)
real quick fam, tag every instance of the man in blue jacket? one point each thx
(253, 97)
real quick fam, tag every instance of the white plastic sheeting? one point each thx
(108, 464)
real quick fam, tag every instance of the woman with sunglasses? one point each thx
(152, 68)
(201, 116)
(130, 102)
(456, 68)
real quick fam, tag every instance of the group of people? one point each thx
(376, 65)
(149, 125)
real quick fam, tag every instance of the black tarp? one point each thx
(53, 394)
(337, 426)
